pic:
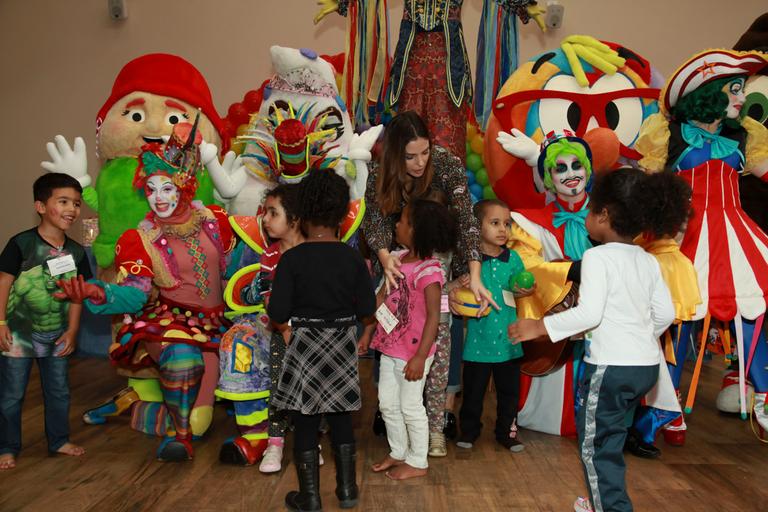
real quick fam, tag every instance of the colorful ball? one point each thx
(488, 192)
(474, 162)
(477, 144)
(470, 177)
(523, 280)
(476, 190)
(469, 306)
(242, 129)
(481, 176)
(471, 131)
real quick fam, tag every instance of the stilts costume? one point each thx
(169, 278)
(710, 150)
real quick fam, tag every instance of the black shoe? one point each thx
(307, 498)
(639, 448)
(511, 443)
(379, 427)
(450, 429)
(346, 484)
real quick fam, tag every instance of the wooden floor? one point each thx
(723, 467)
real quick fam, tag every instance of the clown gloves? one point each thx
(229, 176)
(360, 146)
(519, 145)
(68, 160)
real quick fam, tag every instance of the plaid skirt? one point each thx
(320, 372)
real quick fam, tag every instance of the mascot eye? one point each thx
(135, 114)
(172, 118)
(334, 120)
(756, 101)
(556, 114)
(624, 115)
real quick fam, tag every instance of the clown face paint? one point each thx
(140, 118)
(736, 97)
(569, 177)
(162, 195)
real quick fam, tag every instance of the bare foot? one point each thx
(7, 461)
(404, 472)
(386, 464)
(71, 449)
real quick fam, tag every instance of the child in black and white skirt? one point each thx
(323, 287)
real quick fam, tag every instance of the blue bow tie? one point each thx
(576, 235)
(720, 147)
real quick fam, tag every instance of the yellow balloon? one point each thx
(471, 131)
(242, 129)
(476, 144)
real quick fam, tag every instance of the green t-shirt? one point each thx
(487, 340)
(34, 317)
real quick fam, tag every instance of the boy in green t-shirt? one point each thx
(487, 349)
(33, 324)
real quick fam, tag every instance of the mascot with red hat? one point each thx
(150, 95)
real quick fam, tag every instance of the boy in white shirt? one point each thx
(624, 306)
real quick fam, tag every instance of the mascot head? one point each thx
(303, 82)
(151, 94)
(599, 91)
(756, 89)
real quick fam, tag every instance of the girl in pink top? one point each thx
(425, 227)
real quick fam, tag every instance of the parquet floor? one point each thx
(723, 467)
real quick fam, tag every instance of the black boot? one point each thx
(635, 445)
(346, 485)
(307, 498)
(450, 429)
(379, 427)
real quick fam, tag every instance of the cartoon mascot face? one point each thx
(560, 90)
(756, 104)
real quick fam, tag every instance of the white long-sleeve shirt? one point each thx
(624, 306)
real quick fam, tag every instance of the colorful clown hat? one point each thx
(707, 66)
(179, 158)
(555, 136)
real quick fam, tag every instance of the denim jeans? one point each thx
(14, 376)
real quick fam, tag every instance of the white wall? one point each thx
(58, 58)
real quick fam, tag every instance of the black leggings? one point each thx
(306, 427)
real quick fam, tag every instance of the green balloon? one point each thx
(467, 148)
(474, 162)
(488, 192)
(481, 176)
(523, 280)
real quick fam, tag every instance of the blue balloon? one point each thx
(476, 190)
(471, 178)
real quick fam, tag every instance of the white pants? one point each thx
(402, 406)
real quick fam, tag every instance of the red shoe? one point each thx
(674, 433)
(242, 452)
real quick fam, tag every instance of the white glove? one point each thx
(229, 176)
(519, 145)
(208, 152)
(360, 146)
(68, 160)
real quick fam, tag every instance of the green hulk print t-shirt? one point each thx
(36, 319)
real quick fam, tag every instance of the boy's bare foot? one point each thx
(386, 464)
(405, 471)
(7, 461)
(71, 449)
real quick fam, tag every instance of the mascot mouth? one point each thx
(150, 140)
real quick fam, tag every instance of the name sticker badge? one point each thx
(386, 319)
(509, 298)
(444, 306)
(61, 265)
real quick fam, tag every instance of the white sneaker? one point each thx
(273, 459)
(582, 505)
(437, 447)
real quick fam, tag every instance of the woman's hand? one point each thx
(482, 295)
(414, 368)
(391, 264)
(525, 329)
